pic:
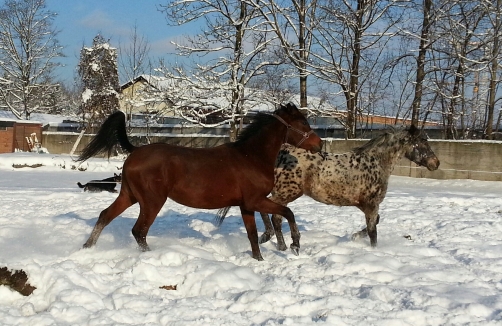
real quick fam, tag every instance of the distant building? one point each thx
(146, 95)
(23, 135)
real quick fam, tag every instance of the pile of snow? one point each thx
(447, 271)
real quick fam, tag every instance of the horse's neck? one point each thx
(388, 155)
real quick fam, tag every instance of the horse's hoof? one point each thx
(258, 258)
(264, 238)
(295, 250)
(281, 247)
(144, 248)
(86, 245)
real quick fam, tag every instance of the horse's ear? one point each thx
(291, 107)
(414, 131)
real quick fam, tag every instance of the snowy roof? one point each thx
(40, 118)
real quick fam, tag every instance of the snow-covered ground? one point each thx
(448, 273)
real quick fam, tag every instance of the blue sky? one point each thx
(80, 20)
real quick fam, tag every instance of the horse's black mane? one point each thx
(377, 141)
(259, 121)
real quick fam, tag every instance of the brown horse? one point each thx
(234, 174)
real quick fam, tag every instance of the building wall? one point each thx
(23, 130)
(131, 92)
(6, 138)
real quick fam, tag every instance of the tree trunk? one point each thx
(494, 67)
(424, 44)
(450, 124)
(303, 54)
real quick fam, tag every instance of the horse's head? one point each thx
(299, 133)
(419, 150)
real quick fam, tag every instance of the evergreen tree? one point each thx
(100, 81)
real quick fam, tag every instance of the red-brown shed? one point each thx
(19, 135)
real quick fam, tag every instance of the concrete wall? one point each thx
(62, 142)
(473, 159)
(478, 160)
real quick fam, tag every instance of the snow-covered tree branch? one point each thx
(28, 49)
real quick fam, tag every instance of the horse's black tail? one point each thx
(222, 213)
(112, 131)
(80, 185)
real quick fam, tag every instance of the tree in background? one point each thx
(351, 41)
(494, 14)
(292, 22)
(235, 43)
(28, 49)
(456, 57)
(100, 82)
(133, 62)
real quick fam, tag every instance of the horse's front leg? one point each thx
(269, 229)
(250, 224)
(364, 232)
(372, 219)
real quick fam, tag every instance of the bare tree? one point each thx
(28, 48)
(456, 56)
(134, 56)
(350, 43)
(98, 71)
(292, 22)
(234, 42)
(133, 62)
(494, 11)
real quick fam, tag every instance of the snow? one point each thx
(449, 273)
(86, 95)
(35, 117)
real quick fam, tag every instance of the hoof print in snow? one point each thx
(169, 287)
(16, 280)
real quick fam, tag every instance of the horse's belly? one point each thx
(336, 193)
(211, 199)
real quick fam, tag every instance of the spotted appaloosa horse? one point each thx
(233, 174)
(358, 178)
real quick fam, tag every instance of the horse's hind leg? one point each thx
(278, 210)
(282, 198)
(147, 214)
(269, 229)
(277, 222)
(118, 206)
(250, 223)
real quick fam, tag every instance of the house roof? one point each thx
(157, 82)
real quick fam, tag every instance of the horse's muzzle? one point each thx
(432, 163)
